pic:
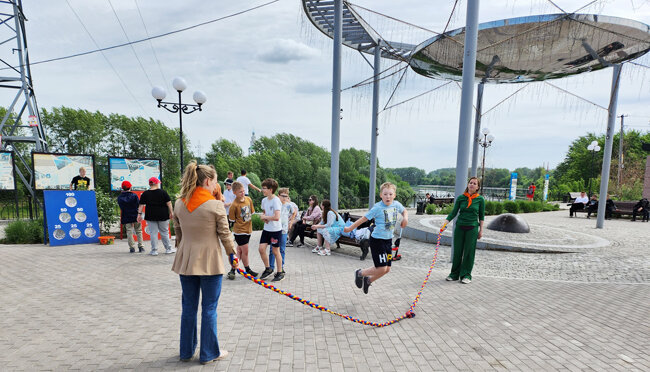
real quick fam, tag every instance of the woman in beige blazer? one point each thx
(201, 226)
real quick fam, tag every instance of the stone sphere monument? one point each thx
(509, 222)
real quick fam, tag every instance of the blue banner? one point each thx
(513, 186)
(545, 187)
(71, 217)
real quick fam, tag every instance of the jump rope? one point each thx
(408, 314)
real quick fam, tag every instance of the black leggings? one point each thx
(299, 230)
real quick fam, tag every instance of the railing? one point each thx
(23, 209)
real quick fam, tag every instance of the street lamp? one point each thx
(484, 142)
(179, 85)
(594, 148)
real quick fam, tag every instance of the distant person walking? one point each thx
(80, 182)
(129, 202)
(157, 213)
(243, 179)
(470, 208)
(201, 229)
(530, 194)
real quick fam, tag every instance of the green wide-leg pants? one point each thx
(464, 249)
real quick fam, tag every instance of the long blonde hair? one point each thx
(194, 176)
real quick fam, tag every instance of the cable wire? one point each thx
(149, 38)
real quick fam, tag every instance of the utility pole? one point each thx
(620, 154)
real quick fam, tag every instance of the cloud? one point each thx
(284, 51)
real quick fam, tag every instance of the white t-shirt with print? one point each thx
(270, 206)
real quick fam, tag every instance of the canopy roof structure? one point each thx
(535, 48)
(357, 34)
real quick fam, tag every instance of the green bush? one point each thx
(498, 208)
(430, 209)
(446, 209)
(107, 211)
(548, 207)
(523, 206)
(490, 208)
(24, 232)
(537, 206)
(510, 207)
(258, 224)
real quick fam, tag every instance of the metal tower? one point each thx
(21, 130)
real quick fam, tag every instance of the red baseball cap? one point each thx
(154, 180)
(126, 185)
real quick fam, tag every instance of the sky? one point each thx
(270, 71)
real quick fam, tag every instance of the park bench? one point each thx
(363, 244)
(442, 201)
(570, 197)
(623, 208)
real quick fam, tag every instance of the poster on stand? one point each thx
(7, 179)
(71, 217)
(545, 187)
(56, 171)
(137, 171)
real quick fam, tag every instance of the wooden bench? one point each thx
(623, 208)
(442, 201)
(363, 244)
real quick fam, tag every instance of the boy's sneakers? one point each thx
(449, 279)
(289, 244)
(366, 284)
(223, 354)
(153, 252)
(268, 271)
(358, 278)
(132, 250)
(251, 272)
(231, 274)
(278, 276)
(140, 249)
(466, 280)
(316, 249)
(300, 245)
(170, 251)
(324, 252)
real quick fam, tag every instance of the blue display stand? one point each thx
(71, 217)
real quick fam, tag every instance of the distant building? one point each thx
(250, 148)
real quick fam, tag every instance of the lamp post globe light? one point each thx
(594, 148)
(484, 142)
(179, 85)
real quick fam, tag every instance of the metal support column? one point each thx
(336, 104)
(477, 129)
(465, 121)
(374, 133)
(609, 139)
(619, 176)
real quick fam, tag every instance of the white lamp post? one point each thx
(594, 148)
(179, 85)
(484, 142)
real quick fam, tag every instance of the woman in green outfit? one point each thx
(470, 208)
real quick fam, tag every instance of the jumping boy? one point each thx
(272, 233)
(240, 214)
(381, 240)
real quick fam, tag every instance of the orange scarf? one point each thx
(470, 197)
(199, 197)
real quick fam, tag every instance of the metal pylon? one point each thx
(21, 123)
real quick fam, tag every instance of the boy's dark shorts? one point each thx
(242, 239)
(381, 251)
(271, 237)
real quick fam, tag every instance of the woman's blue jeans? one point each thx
(210, 288)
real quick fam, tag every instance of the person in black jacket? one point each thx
(129, 204)
(643, 208)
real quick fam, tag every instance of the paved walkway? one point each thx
(92, 307)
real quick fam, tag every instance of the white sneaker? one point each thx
(153, 253)
(316, 249)
(466, 280)
(324, 252)
(170, 250)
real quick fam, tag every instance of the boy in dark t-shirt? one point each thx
(157, 214)
(80, 182)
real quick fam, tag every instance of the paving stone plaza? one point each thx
(92, 307)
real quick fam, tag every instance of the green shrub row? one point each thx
(496, 208)
(24, 232)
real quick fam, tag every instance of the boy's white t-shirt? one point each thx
(270, 206)
(287, 211)
(230, 197)
(244, 181)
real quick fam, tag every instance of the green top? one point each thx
(468, 216)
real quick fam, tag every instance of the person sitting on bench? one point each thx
(642, 208)
(592, 206)
(579, 204)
